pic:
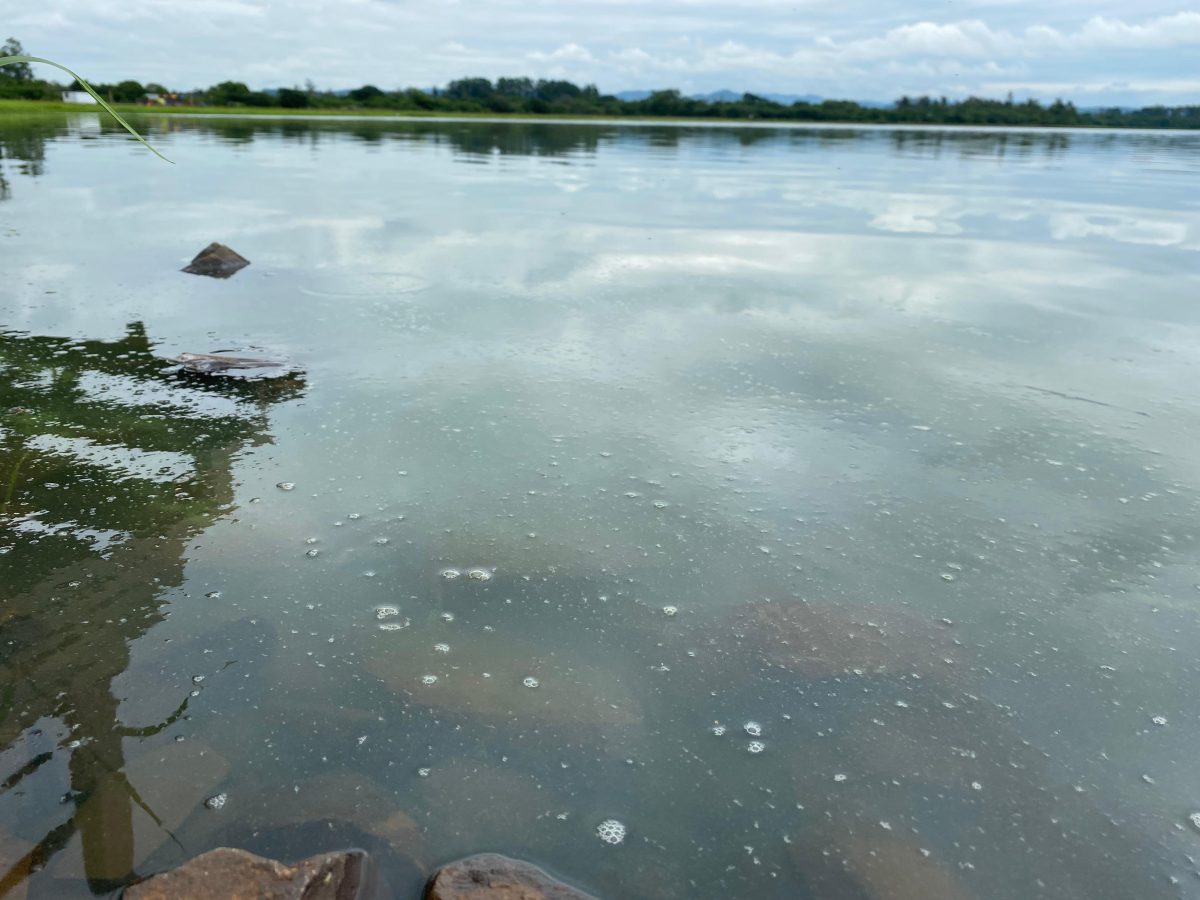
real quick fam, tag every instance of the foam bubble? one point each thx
(216, 801)
(611, 831)
(450, 574)
(753, 729)
(428, 679)
(286, 485)
(530, 682)
(756, 747)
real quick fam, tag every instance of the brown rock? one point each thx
(216, 261)
(228, 874)
(16, 865)
(886, 868)
(822, 641)
(490, 876)
(114, 836)
(571, 692)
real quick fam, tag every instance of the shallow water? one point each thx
(823, 504)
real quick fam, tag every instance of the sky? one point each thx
(1093, 52)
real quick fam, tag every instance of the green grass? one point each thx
(25, 60)
(32, 107)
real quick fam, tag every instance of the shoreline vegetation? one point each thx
(14, 108)
(525, 97)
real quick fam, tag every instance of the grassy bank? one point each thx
(11, 108)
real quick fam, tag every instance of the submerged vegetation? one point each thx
(528, 96)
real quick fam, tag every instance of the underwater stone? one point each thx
(216, 261)
(490, 876)
(228, 874)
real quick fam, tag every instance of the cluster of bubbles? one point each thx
(217, 800)
(611, 831)
(670, 610)
(386, 613)
(475, 574)
(530, 682)
(428, 679)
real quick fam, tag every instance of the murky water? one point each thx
(698, 512)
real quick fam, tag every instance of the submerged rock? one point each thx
(880, 868)
(228, 874)
(213, 363)
(216, 261)
(823, 641)
(490, 876)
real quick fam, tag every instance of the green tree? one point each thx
(15, 71)
(365, 93)
(228, 93)
(292, 98)
(128, 92)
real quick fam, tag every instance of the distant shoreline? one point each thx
(13, 108)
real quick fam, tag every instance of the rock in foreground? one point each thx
(491, 876)
(216, 261)
(226, 874)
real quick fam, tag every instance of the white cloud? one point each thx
(567, 52)
(1179, 30)
(1108, 50)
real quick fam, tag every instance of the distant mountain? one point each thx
(728, 96)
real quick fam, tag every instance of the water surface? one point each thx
(830, 497)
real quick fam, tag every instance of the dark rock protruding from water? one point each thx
(490, 876)
(227, 874)
(217, 261)
(215, 363)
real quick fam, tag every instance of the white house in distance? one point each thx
(78, 97)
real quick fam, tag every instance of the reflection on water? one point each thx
(823, 505)
(90, 541)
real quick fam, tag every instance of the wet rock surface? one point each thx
(216, 261)
(212, 363)
(227, 874)
(496, 877)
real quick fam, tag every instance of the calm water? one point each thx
(877, 448)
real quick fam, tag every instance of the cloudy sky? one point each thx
(1090, 51)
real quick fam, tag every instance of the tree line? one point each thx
(557, 97)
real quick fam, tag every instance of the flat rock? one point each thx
(228, 874)
(569, 692)
(212, 363)
(490, 876)
(823, 641)
(216, 261)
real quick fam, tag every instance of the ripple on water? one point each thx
(362, 285)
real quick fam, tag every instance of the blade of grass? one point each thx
(14, 60)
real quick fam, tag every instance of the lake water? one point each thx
(824, 503)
